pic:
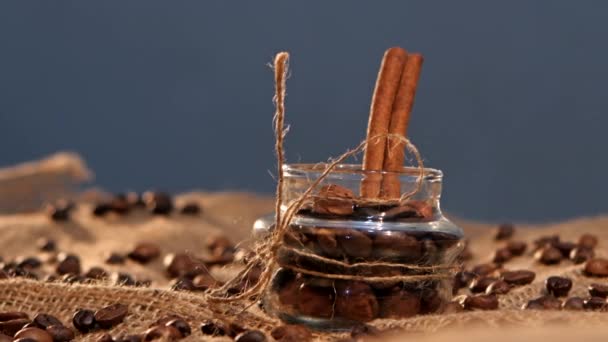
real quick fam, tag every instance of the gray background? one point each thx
(177, 95)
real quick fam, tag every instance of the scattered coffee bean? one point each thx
(505, 231)
(209, 327)
(84, 320)
(481, 284)
(158, 203)
(123, 279)
(480, 302)
(251, 336)
(44, 321)
(587, 241)
(565, 247)
(463, 279)
(235, 329)
(180, 264)
(59, 211)
(543, 303)
(190, 208)
(183, 284)
(97, 273)
(595, 303)
(498, 287)
(111, 315)
(203, 282)
(598, 290)
(548, 255)
(485, 269)
(102, 209)
(47, 245)
(558, 286)
(60, 333)
(162, 332)
(580, 254)
(68, 264)
(115, 259)
(519, 277)
(546, 241)
(10, 327)
(517, 248)
(119, 204)
(180, 325)
(10, 315)
(574, 304)
(597, 267)
(501, 255)
(36, 334)
(29, 263)
(144, 252)
(291, 333)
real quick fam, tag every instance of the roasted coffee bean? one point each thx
(558, 286)
(587, 241)
(162, 332)
(361, 331)
(218, 242)
(68, 264)
(60, 333)
(485, 269)
(72, 278)
(355, 243)
(579, 255)
(44, 321)
(517, 248)
(190, 208)
(498, 287)
(463, 279)
(102, 209)
(144, 252)
(481, 302)
(129, 338)
(183, 284)
(115, 259)
(181, 325)
(105, 338)
(505, 231)
(158, 203)
(334, 199)
(315, 301)
(519, 277)
(84, 320)
(326, 240)
(597, 267)
(60, 211)
(36, 334)
(598, 290)
(210, 327)
(29, 263)
(481, 284)
(119, 204)
(203, 282)
(595, 303)
(251, 336)
(111, 315)
(10, 315)
(399, 245)
(291, 333)
(180, 264)
(47, 245)
(548, 255)
(235, 329)
(543, 303)
(501, 255)
(546, 241)
(399, 303)
(123, 279)
(355, 300)
(96, 273)
(10, 327)
(574, 304)
(565, 247)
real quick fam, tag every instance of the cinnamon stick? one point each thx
(400, 117)
(385, 92)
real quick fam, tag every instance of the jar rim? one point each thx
(343, 171)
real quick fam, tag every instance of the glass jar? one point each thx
(345, 261)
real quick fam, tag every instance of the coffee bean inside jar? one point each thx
(344, 262)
